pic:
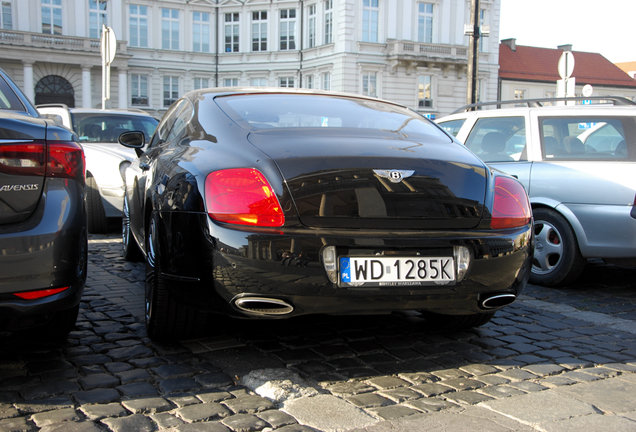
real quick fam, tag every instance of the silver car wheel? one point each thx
(125, 225)
(548, 249)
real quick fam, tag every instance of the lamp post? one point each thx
(474, 31)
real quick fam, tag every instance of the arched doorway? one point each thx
(54, 89)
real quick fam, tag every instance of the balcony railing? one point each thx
(404, 48)
(42, 40)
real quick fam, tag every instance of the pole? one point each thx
(473, 53)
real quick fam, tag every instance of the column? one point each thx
(123, 87)
(87, 99)
(29, 90)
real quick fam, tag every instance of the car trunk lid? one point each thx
(345, 179)
(22, 166)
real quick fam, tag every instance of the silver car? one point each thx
(106, 160)
(578, 165)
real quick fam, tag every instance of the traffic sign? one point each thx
(108, 45)
(566, 65)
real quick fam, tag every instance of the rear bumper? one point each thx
(49, 250)
(220, 265)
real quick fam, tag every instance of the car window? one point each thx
(499, 139)
(8, 99)
(106, 128)
(589, 137)
(182, 117)
(274, 111)
(167, 122)
(452, 126)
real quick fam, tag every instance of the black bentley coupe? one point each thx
(274, 203)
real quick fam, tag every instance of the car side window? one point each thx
(164, 127)
(588, 138)
(499, 139)
(182, 117)
(452, 126)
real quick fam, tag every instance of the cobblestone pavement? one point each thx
(358, 373)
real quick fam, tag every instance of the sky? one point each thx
(605, 27)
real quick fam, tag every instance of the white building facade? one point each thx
(408, 51)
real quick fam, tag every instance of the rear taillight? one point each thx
(242, 196)
(22, 159)
(511, 208)
(62, 159)
(66, 160)
(32, 295)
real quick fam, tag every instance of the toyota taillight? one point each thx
(242, 196)
(55, 159)
(511, 208)
(66, 160)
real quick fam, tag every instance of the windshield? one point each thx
(106, 128)
(272, 111)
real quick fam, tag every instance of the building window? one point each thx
(51, 16)
(170, 90)
(232, 32)
(97, 15)
(259, 31)
(230, 82)
(370, 13)
(200, 31)
(6, 20)
(287, 29)
(520, 94)
(369, 84)
(326, 81)
(201, 83)
(482, 22)
(328, 21)
(170, 28)
(309, 81)
(138, 26)
(258, 82)
(425, 23)
(311, 26)
(286, 82)
(424, 94)
(139, 89)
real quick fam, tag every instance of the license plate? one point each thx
(396, 271)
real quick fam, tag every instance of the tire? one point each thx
(166, 318)
(557, 258)
(96, 216)
(435, 321)
(130, 249)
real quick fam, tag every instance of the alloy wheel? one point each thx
(549, 248)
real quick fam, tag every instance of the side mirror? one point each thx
(134, 140)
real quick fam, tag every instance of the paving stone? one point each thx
(57, 416)
(134, 375)
(39, 367)
(100, 411)
(349, 388)
(91, 359)
(500, 391)
(432, 389)
(419, 377)
(213, 396)
(84, 426)
(166, 420)
(393, 412)
(517, 374)
(244, 423)
(248, 404)
(42, 405)
(400, 395)
(149, 405)
(478, 369)
(429, 404)
(138, 389)
(528, 386)
(172, 371)
(214, 380)
(202, 412)
(276, 419)
(461, 384)
(467, 397)
(384, 383)
(136, 422)
(18, 424)
(175, 385)
(204, 427)
(127, 353)
(369, 400)
(98, 380)
(96, 396)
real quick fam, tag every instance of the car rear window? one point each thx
(8, 99)
(588, 137)
(271, 111)
(106, 128)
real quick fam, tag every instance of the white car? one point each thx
(106, 160)
(577, 163)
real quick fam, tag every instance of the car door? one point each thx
(502, 142)
(587, 171)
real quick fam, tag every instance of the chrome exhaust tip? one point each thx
(263, 306)
(494, 301)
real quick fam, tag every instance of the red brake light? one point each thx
(32, 295)
(511, 208)
(242, 196)
(22, 159)
(66, 160)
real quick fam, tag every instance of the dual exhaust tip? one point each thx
(263, 306)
